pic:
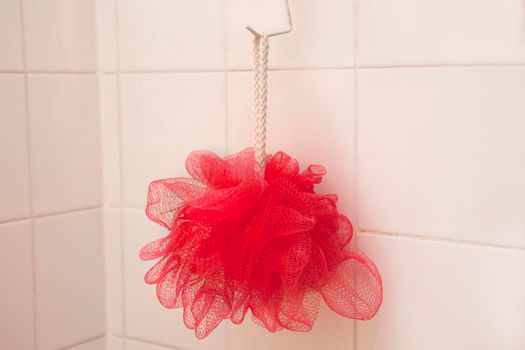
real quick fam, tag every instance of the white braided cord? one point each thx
(260, 82)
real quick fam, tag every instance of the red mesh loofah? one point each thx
(242, 241)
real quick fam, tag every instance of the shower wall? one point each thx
(51, 238)
(415, 107)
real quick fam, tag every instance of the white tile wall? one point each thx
(153, 35)
(146, 318)
(16, 289)
(11, 45)
(311, 117)
(164, 118)
(439, 158)
(65, 142)
(52, 297)
(60, 35)
(113, 284)
(442, 295)
(106, 18)
(69, 270)
(138, 345)
(314, 42)
(109, 116)
(114, 343)
(441, 153)
(330, 331)
(97, 344)
(14, 183)
(426, 32)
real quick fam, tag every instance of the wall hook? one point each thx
(256, 33)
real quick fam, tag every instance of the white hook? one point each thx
(256, 33)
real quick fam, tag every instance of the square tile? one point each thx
(109, 116)
(142, 307)
(164, 118)
(107, 43)
(155, 35)
(14, 179)
(314, 41)
(11, 44)
(442, 153)
(69, 261)
(330, 331)
(60, 35)
(440, 32)
(445, 296)
(310, 116)
(113, 269)
(65, 142)
(16, 292)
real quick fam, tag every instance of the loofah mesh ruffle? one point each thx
(242, 240)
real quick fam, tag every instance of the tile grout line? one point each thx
(150, 342)
(275, 69)
(405, 235)
(434, 239)
(82, 342)
(116, 30)
(53, 214)
(356, 135)
(50, 72)
(102, 171)
(29, 176)
(444, 66)
(98, 73)
(226, 94)
(15, 220)
(227, 113)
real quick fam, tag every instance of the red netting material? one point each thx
(242, 241)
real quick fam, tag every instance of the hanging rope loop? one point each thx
(260, 88)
